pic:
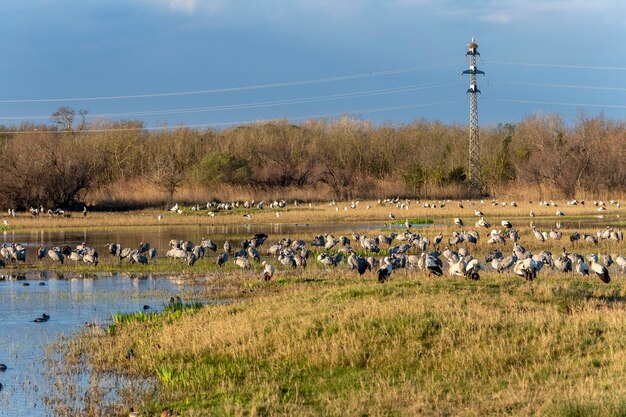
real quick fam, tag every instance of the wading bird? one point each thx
(268, 271)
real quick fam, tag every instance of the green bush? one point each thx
(218, 167)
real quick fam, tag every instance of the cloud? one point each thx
(263, 8)
(496, 17)
(506, 11)
(497, 12)
(189, 6)
(178, 5)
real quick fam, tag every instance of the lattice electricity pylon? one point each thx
(474, 145)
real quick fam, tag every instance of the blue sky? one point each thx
(386, 61)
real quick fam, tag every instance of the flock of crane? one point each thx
(381, 254)
(413, 251)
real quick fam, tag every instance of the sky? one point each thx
(215, 63)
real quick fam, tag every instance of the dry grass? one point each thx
(323, 213)
(140, 194)
(325, 344)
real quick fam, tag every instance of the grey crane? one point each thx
(56, 255)
(222, 259)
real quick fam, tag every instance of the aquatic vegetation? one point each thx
(171, 311)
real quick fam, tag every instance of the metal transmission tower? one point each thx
(474, 150)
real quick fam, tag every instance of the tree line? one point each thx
(58, 165)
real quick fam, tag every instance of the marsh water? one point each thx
(72, 300)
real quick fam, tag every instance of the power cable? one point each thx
(197, 126)
(239, 88)
(341, 96)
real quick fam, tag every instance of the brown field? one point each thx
(322, 213)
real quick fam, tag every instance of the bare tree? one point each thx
(64, 117)
(171, 156)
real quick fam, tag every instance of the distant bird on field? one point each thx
(222, 259)
(385, 271)
(56, 255)
(268, 271)
(581, 267)
(600, 271)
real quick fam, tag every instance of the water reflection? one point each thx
(161, 235)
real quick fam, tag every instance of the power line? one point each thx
(205, 125)
(341, 96)
(552, 85)
(532, 64)
(556, 103)
(239, 88)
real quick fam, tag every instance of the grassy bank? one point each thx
(325, 344)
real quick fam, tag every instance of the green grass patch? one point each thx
(171, 311)
(335, 345)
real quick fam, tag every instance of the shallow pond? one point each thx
(71, 301)
(160, 236)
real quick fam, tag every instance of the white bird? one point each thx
(482, 223)
(478, 213)
(457, 268)
(472, 268)
(384, 272)
(506, 223)
(458, 222)
(268, 271)
(600, 271)
(621, 263)
(526, 268)
(581, 267)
